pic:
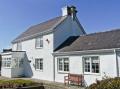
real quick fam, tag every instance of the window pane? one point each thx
(66, 64)
(39, 42)
(63, 64)
(86, 64)
(60, 63)
(39, 64)
(95, 65)
(36, 64)
(66, 67)
(6, 62)
(16, 62)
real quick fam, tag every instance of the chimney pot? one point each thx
(69, 11)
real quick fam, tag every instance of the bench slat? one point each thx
(74, 78)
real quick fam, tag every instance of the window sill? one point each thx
(39, 47)
(7, 67)
(86, 73)
(39, 70)
(63, 72)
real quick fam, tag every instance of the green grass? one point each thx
(16, 83)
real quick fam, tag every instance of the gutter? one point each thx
(6, 53)
(85, 52)
(53, 68)
(10, 53)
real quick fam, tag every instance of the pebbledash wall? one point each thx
(107, 67)
(58, 36)
(45, 53)
(107, 60)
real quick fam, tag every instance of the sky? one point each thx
(16, 16)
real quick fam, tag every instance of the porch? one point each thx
(12, 63)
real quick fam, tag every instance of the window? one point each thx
(6, 62)
(39, 64)
(39, 42)
(17, 62)
(91, 64)
(63, 64)
(19, 46)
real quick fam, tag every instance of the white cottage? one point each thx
(52, 49)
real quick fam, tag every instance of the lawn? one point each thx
(16, 83)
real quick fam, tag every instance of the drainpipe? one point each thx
(82, 66)
(53, 68)
(117, 64)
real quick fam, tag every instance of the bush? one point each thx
(16, 83)
(110, 83)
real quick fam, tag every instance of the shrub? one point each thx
(16, 83)
(110, 83)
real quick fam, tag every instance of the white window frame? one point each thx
(39, 64)
(89, 64)
(63, 64)
(39, 42)
(19, 46)
(6, 62)
(17, 62)
(90, 59)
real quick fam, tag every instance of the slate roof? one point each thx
(42, 27)
(94, 41)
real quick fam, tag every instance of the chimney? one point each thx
(73, 11)
(69, 10)
(65, 10)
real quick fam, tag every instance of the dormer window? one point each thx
(19, 46)
(39, 42)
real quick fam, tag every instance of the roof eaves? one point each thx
(33, 36)
(57, 53)
(41, 33)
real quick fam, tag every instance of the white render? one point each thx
(107, 67)
(109, 60)
(55, 39)
(64, 11)
(45, 53)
